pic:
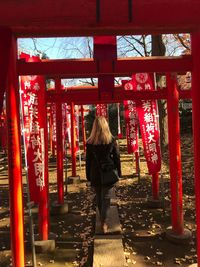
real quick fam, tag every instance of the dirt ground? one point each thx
(143, 228)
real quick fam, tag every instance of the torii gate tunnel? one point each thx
(98, 18)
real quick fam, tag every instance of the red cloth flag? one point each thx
(68, 117)
(119, 132)
(64, 128)
(147, 114)
(3, 137)
(76, 113)
(102, 110)
(76, 125)
(131, 120)
(33, 107)
(53, 121)
(26, 105)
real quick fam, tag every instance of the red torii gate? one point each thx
(84, 18)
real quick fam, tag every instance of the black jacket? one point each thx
(103, 153)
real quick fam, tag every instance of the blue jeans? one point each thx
(103, 196)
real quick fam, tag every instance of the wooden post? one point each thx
(59, 145)
(175, 155)
(4, 52)
(155, 186)
(137, 162)
(196, 128)
(43, 212)
(73, 140)
(119, 125)
(14, 156)
(83, 129)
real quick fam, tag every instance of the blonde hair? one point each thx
(100, 133)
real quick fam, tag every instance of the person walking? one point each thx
(101, 147)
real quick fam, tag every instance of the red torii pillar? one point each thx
(176, 232)
(196, 128)
(14, 152)
(4, 52)
(59, 207)
(73, 140)
(83, 128)
(43, 207)
(59, 145)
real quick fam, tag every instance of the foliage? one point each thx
(112, 111)
(185, 111)
(130, 46)
(177, 44)
(89, 118)
(112, 118)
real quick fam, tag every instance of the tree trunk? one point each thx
(158, 49)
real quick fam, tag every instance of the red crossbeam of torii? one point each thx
(88, 18)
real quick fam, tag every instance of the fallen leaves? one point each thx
(134, 216)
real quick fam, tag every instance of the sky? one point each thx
(57, 48)
(50, 46)
(71, 47)
(77, 47)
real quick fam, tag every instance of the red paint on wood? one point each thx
(83, 128)
(73, 140)
(5, 39)
(196, 130)
(90, 68)
(105, 51)
(59, 145)
(175, 155)
(90, 95)
(14, 159)
(113, 17)
(155, 186)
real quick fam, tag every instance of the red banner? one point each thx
(147, 114)
(68, 118)
(119, 132)
(76, 126)
(33, 108)
(53, 122)
(76, 113)
(131, 120)
(102, 110)
(26, 105)
(64, 127)
(3, 137)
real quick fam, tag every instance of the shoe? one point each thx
(105, 228)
